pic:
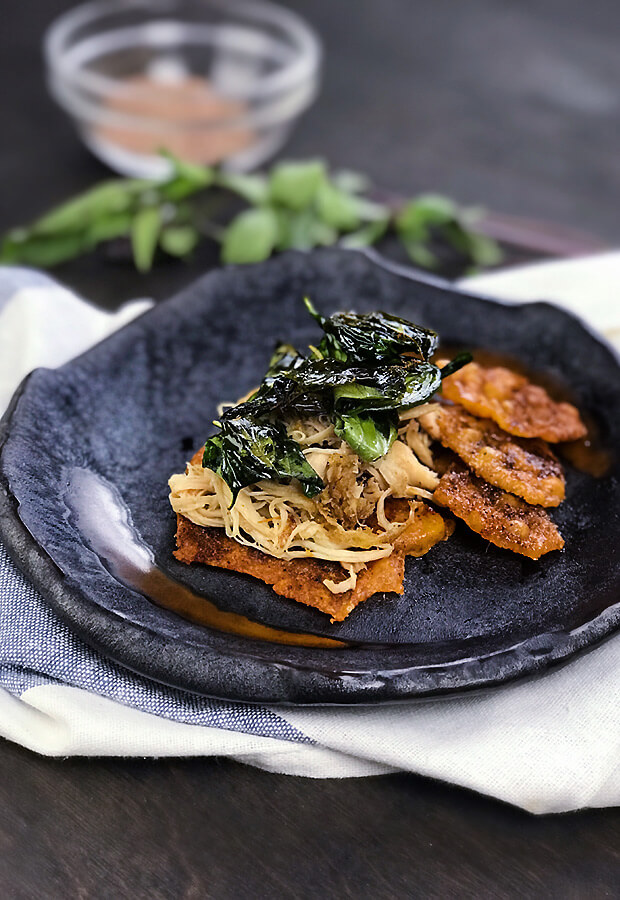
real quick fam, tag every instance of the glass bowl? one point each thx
(211, 81)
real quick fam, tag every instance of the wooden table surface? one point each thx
(512, 105)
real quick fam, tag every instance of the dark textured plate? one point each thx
(87, 450)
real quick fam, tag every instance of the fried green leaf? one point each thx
(460, 360)
(283, 358)
(330, 386)
(387, 387)
(369, 436)
(375, 336)
(247, 451)
(365, 377)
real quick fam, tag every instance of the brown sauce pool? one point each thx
(177, 598)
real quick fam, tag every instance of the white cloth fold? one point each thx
(546, 744)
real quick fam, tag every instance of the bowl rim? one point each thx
(302, 68)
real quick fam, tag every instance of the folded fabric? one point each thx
(548, 744)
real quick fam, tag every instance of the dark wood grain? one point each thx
(513, 105)
(83, 828)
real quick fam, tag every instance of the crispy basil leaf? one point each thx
(388, 387)
(247, 451)
(361, 380)
(460, 360)
(373, 336)
(377, 387)
(369, 436)
(283, 358)
(312, 386)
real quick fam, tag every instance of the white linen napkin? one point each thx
(548, 744)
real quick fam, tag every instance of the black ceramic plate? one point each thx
(87, 450)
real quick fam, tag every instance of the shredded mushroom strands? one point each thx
(278, 519)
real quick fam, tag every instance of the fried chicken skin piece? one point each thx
(521, 466)
(514, 403)
(500, 518)
(302, 579)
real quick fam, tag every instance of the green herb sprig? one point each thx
(149, 213)
(294, 205)
(364, 371)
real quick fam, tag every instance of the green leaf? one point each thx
(362, 400)
(180, 188)
(303, 230)
(315, 385)
(460, 360)
(365, 236)
(145, 229)
(283, 358)
(431, 218)
(350, 182)
(369, 436)
(250, 237)
(247, 451)
(374, 336)
(178, 240)
(421, 255)
(294, 184)
(187, 178)
(337, 208)
(369, 211)
(386, 387)
(109, 227)
(253, 188)
(484, 251)
(423, 211)
(360, 393)
(108, 198)
(469, 216)
(43, 252)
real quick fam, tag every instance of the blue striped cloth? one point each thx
(37, 648)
